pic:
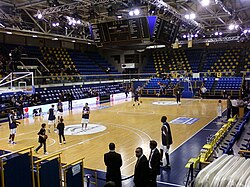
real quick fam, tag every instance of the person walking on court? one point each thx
(177, 93)
(166, 137)
(141, 172)
(113, 161)
(42, 139)
(85, 116)
(60, 129)
(12, 125)
(154, 163)
(51, 118)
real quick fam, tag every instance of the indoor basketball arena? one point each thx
(131, 93)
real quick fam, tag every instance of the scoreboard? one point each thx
(135, 30)
(165, 30)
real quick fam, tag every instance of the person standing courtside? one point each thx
(12, 125)
(229, 107)
(113, 161)
(60, 128)
(154, 163)
(141, 173)
(85, 115)
(166, 137)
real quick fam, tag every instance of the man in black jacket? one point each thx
(113, 161)
(141, 173)
(154, 163)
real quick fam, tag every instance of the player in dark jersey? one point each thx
(12, 125)
(42, 137)
(59, 110)
(85, 115)
(136, 98)
(166, 137)
(51, 118)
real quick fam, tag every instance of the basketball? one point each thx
(45, 136)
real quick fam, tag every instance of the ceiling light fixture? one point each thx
(205, 2)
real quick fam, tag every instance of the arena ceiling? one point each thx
(21, 16)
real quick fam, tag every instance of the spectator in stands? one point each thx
(60, 129)
(166, 137)
(113, 161)
(12, 125)
(42, 139)
(154, 163)
(141, 172)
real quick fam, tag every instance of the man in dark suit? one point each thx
(154, 163)
(113, 161)
(141, 169)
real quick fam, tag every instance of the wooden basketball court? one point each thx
(126, 125)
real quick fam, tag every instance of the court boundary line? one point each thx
(195, 133)
(172, 184)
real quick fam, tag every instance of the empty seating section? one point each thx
(179, 61)
(227, 62)
(246, 66)
(225, 83)
(194, 58)
(214, 86)
(160, 62)
(211, 58)
(101, 62)
(51, 95)
(149, 66)
(59, 63)
(153, 83)
(208, 83)
(227, 170)
(200, 60)
(85, 65)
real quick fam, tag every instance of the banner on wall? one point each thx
(43, 109)
(116, 98)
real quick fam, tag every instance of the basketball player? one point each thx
(60, 128)
(12, 125)
(51, 118)
(136, 98)
(166, 137)
(85, 115)
(59, 110)
(42, 139)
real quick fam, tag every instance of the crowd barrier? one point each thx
(20, 168)
(219, 141)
